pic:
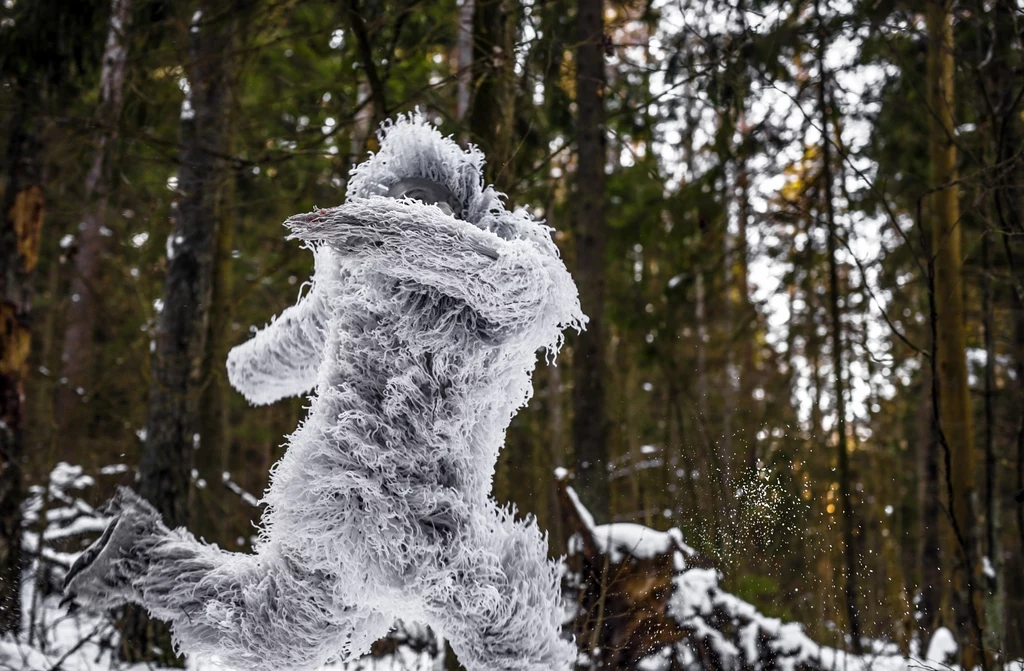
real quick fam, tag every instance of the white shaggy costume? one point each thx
(419, 336)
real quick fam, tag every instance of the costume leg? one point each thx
(498, 601)
(251, 611)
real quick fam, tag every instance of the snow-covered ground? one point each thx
(53, 639)
(59, 523)
(88, 641)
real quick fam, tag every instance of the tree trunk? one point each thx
(77, 357)
(362, 126)
(929, 603)
(20, 230)
(490, 54)
(993, 545)
(556, 445)
(743, 314)
(953, 404)
(464, 60)
(842, 454)
(716, 477)
(1004, 216)
(172, 421)
(182, 325)
(493, 114)
(212, 503)
(216, 510)
(357, 25)
(1014, 593)
(590, 423)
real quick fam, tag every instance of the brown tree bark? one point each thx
(492, 118)
(999, 73)
(362, 126)
(590, 423)
(77, 357)
(20, 229)
(212, 503)
(952, 396)
(172, 420)
(1014, 588)
(930, 590)
(743, 315)
(182, 326)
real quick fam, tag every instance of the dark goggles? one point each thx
(429, 192)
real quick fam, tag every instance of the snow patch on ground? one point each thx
(86, 641)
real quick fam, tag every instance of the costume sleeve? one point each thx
(511, 283)
(282, 359)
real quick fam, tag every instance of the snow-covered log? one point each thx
(647, 601)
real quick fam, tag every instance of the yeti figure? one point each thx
(419, 334)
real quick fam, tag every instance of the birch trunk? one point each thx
(464, 60)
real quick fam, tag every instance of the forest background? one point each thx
(796, 228)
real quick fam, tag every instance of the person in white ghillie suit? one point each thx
(428, 305)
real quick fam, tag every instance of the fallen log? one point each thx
(645, 600)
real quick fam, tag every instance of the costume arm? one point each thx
(510, 283)
(282, 359)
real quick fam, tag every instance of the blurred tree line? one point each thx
(794, 226)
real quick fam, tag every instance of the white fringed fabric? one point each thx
(420, 334)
